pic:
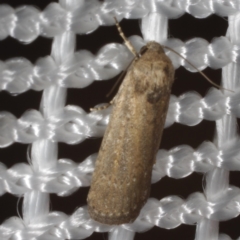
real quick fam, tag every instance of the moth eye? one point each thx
(143, 50)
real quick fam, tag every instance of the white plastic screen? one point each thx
(54, 57)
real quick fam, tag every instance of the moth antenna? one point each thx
(204, 75)
(126, 41)
(116, 83)
(120, 78)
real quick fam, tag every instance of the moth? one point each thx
(122, 177)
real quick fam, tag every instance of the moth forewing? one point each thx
(122, 177)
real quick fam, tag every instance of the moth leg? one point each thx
(127, 42)
(101, 107)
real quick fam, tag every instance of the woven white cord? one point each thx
(26, 23)
(72, 124)
(18, 75)
(56, 122)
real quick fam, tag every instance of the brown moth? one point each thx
(122, 177)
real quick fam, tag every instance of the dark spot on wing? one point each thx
(166, 70)
(155, 95)
(141, 86)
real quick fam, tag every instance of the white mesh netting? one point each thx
(56, 122)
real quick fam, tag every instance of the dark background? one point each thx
(183, 28)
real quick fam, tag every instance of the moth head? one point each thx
(154, 46)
